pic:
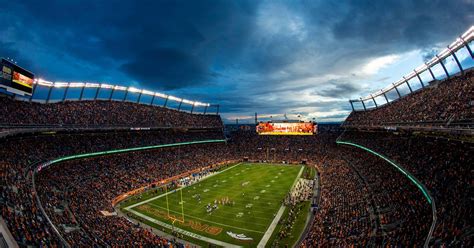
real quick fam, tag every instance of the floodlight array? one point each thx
(46, 83)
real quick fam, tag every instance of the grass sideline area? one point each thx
(255, 193)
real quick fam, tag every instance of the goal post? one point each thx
(181, 202)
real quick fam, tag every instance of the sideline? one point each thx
(271, 228)
(184, 232)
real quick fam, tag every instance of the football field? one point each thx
(238, 205)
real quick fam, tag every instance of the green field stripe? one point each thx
(237, 208)
(221, 211)
(216, 223)
(157, 197)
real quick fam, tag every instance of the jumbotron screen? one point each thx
(287, 128)
(15, 77)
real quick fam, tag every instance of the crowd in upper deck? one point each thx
(99, 113)
(442, 103)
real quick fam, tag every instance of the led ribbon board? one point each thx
(95, 154)
(401, 169)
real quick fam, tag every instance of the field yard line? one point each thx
(157, 197)
(274, 223)
(299, 175)
(250, 230)
(270, 229)
(179, 230)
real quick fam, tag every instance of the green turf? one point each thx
(256, 203)
(296, 229)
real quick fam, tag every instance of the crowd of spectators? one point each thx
(19, 207)
(99, 113)
(342, 219)
(444, 167)
(442, 103)
(302, 191)
(87, 187)
(290, 149)
(366, 202)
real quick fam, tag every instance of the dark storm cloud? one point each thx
(7, 51)
(337, 89)
(162, 44)
(416, 22)
(264, 56)
(175, 69)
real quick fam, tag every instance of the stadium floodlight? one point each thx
(469, 32)
(188, 101)
(44, 82)
(158, 94)
(444, 53)
(458, 42)
(92, 85)
(411, 75)
(421, 68)
(147, 92)
(60, 84)
(106, 86)
(132, 89)
(201, 104)
(77, 85)
(116, 87)
(174, 98)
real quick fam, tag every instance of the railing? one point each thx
(12, 130)
(79, 126)
(43, 212)
(464, 127)
(461, 42)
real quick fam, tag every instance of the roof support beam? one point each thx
(65, 92)
(419, 79)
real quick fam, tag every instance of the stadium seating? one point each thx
(18, 155)
(442, 165)
(364, 200)
(367, 202)
(83, 188)
(99, 113)
(449, 103)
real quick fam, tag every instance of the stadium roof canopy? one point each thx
(439, 59)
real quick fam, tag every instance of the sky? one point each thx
(305, 58)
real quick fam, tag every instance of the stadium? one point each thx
(87, 164)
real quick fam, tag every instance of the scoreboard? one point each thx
(287, 128)
(16, 79)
